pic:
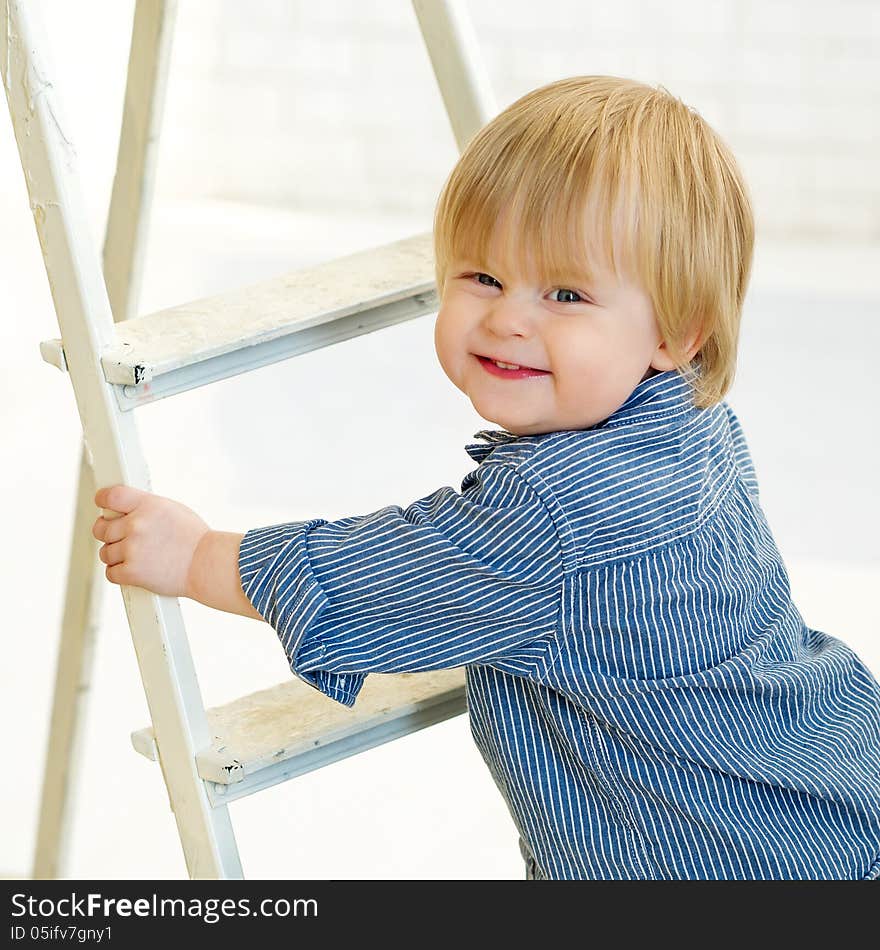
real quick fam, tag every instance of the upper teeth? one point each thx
(506, 365)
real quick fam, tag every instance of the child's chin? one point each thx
(508, 422)
(490, 414)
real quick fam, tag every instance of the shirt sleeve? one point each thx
(455, 578)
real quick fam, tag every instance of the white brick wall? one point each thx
(332, 104)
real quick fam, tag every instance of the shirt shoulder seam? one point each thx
(524, 470)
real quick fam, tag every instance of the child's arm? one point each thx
(163, 546)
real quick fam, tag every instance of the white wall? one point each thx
(333, 104)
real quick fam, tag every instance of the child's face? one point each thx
(581, 349)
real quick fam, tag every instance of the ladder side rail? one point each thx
(458, 67)
(82, 306)
(125, 241)
(124, 251)
(73, 674)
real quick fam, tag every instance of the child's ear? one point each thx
(663, 360)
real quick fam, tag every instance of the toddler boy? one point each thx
(643, 690)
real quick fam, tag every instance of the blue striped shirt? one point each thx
(644, 692)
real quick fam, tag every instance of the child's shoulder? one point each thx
(656, 436)
(633, 457)
(658, 413)
(597, 445)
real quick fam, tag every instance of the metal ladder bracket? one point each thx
(52, 352)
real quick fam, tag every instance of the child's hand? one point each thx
(150, 543)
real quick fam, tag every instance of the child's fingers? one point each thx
(99, 528)
(118, 498)
(115, 574)
(109, 531)
(112, 554)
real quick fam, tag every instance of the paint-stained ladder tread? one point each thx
(161, 342)
(292, 718)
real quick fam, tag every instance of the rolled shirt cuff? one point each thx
(277, 578)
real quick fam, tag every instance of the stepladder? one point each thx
(118, 360)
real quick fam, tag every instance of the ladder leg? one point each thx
(125, 242)
(124, 247)
(81, 609)
(111, 440)
(452, 46)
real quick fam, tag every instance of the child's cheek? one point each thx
(444, 347)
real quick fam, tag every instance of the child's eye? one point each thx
(571, 296)
(488, 282)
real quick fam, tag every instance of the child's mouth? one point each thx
(509, 370)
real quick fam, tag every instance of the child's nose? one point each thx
(508, 318)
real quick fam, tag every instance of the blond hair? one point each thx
(632, 167)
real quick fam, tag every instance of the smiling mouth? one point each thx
(508, 370)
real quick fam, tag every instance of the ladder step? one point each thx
(200, 342)
(278, 733)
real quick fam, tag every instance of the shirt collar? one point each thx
(663, 395)
(495, 437)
